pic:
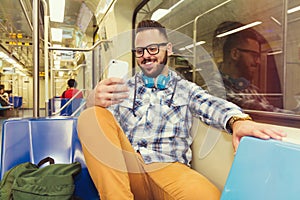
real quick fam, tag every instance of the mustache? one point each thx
(148, 60)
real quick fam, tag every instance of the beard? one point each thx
(160, 66)
(245, 70)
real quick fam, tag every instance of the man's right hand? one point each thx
(108, 92)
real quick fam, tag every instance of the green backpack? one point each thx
(28, 181)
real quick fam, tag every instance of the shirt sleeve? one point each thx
(210, 109)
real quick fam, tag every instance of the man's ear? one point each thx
(234, 53)
(170, 48)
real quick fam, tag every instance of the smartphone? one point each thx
(118, 68)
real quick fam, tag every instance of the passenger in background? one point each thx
(4, 100)
(71, 90)
(139, 147)
(241, 60)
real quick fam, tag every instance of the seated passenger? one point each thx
(4, 100)
(140, 147)
(71, 90)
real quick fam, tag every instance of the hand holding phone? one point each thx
(118, 68)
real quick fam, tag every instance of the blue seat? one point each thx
(72, 107)
(264, 169)
(17, 101)
(33, 139)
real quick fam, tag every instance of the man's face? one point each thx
(248, 58)
(152, 65)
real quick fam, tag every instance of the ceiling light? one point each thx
(176, 4)
(239, 29)
(275, 52)
(160, 13)
(3, 55)
(192, 45)
(295, 9)
(57, 10)
(56, 34)
(275, 20)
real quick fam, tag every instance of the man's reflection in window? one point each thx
(241, 58)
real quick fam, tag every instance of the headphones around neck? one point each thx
(240, 83)
(159, 82)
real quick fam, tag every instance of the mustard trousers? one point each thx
(118, 172)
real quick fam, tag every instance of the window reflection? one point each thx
(241, 63)
(274, 61)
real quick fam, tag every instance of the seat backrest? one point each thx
(30, 140)
(212, 152)
(71, 107)
(264, 169)
(17, 101)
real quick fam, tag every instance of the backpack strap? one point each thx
(45, 160)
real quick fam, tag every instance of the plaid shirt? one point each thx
(162, 133)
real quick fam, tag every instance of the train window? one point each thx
(249, 50)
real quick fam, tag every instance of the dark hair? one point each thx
(72, 83)
(225, 44)
(238, 38)
(151, 24)
(1, 87)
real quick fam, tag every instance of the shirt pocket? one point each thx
(126, 111)
(174, 119)
(176, 112)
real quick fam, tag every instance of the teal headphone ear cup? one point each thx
(161, 81)
(148, 81)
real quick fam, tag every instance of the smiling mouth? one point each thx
(148, 61)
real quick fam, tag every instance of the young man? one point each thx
(71, 91)
(140, 148)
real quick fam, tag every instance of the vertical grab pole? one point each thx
(46, 59)
(35, 19)
(284, 60)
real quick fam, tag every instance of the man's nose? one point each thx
(146, 53)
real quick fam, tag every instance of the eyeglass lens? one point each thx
(152, 49)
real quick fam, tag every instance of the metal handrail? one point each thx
(78, 109)
(195, 34)
(80, 49)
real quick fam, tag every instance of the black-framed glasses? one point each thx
(255, 55)
(152, 49)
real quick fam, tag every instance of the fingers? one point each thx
(116, 96)
(111, 81)
(273, 133)
(235, 143)
(254, 129)
(112, 85)
(110, 91)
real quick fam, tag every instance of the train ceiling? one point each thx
(16, 32)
